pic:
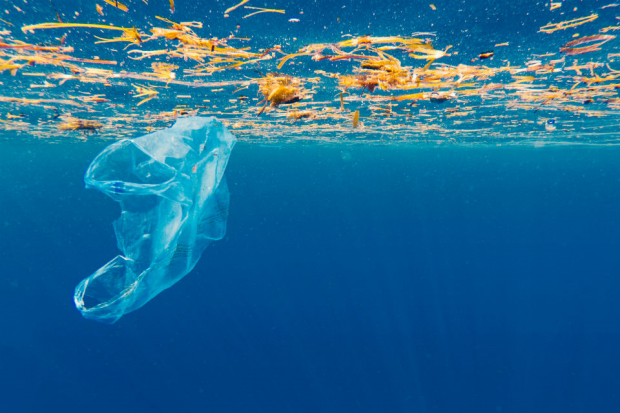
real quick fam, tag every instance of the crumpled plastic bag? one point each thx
(174, 199)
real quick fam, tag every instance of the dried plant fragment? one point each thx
(118, 5)
(80, 124)
(552, 27)
(142, 91)
(601, 39)
(228, 10)
(279, 89)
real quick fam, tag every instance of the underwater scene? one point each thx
(309, 206)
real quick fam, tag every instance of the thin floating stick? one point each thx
(285, 58)
(118, 5)
(570, 50)
(555, 5)
(55, 11)
(59, 25)
(261, 10)
(234, 7)
(552, 27)
(129, 35)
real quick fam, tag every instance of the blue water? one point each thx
(351, 279)
(468, 278)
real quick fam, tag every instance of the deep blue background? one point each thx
(352, 278)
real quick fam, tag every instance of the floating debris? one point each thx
(416, 85)
(72, 124)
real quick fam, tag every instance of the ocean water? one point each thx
(363, 270)
(351, 279)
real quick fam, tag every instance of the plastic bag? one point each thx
(174, 200)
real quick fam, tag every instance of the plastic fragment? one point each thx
(174, 199)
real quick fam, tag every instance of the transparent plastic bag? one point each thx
(174, 199)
